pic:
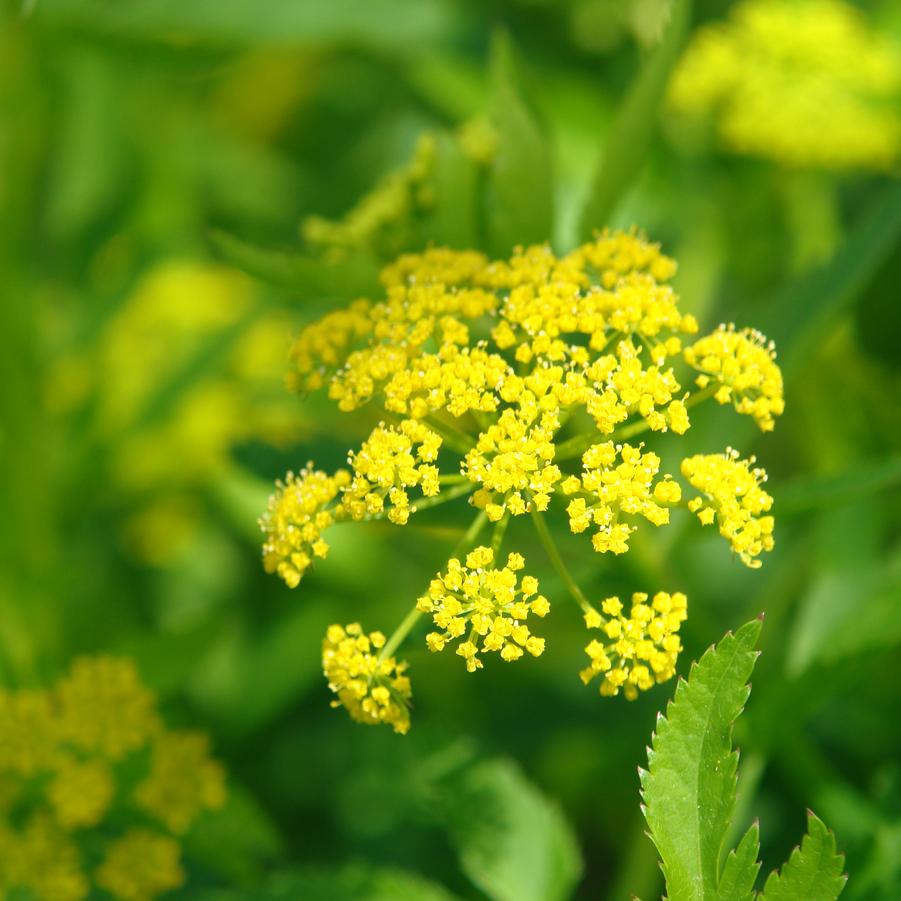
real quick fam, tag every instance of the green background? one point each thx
(143, 132)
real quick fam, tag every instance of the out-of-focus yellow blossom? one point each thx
(638, 650)
(514, 370)
(607, 490)
(390, 461)
(478, 140)
(803, 82)
(189, 366)
(44, 859)
(512, 462)
(372, 688)
(27, 732)
(734, 498)
(69, 760)
(80, 792)
(104, 708)
(487, 606)
(741, 365)
(382, 220)
(183, 780)
(140, 866)
(300, 510)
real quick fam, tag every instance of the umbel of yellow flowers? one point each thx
(513, 383)
(805, 83)
(88, 770)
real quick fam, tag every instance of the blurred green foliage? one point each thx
(152, 137)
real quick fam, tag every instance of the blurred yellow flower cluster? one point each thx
(806, 83)
(494, 380)
(94, 790)
(380, 220)
(187, 367)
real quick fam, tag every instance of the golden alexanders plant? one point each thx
(512, 383)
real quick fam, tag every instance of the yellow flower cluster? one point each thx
(741, 366)
(803, 82)
(299, 512)
(372, 688)
(515, 382)
(733, 496)
(141, 865)
(512, 458)
(381, 220)
(606, 490)
(638, 650)
(489, 606)
(75, 777)
(390, 461)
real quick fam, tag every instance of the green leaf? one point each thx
(741, 867)
(689, 789)
(352, 883)
(799, 316)
(514, 844)
(520, 201)
(860, 480)
(453, 221)
(813, 872)
(631, 132)
(347, 279)
(393, 24)
(239, 841)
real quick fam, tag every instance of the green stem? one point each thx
(407, 623)
(553, 553)
(454, 437)
(449, 495)
(497, 539)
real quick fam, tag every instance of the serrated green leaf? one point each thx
(813, 872)
(520, 201)
(741, 868)
(629, 137)
(689, 790)
(514, 843)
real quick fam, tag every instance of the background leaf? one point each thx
(628, 139)
(519, 203)
(514, 843)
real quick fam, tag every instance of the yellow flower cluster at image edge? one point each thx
(515, 382)
(806, 83)
(67, 767)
